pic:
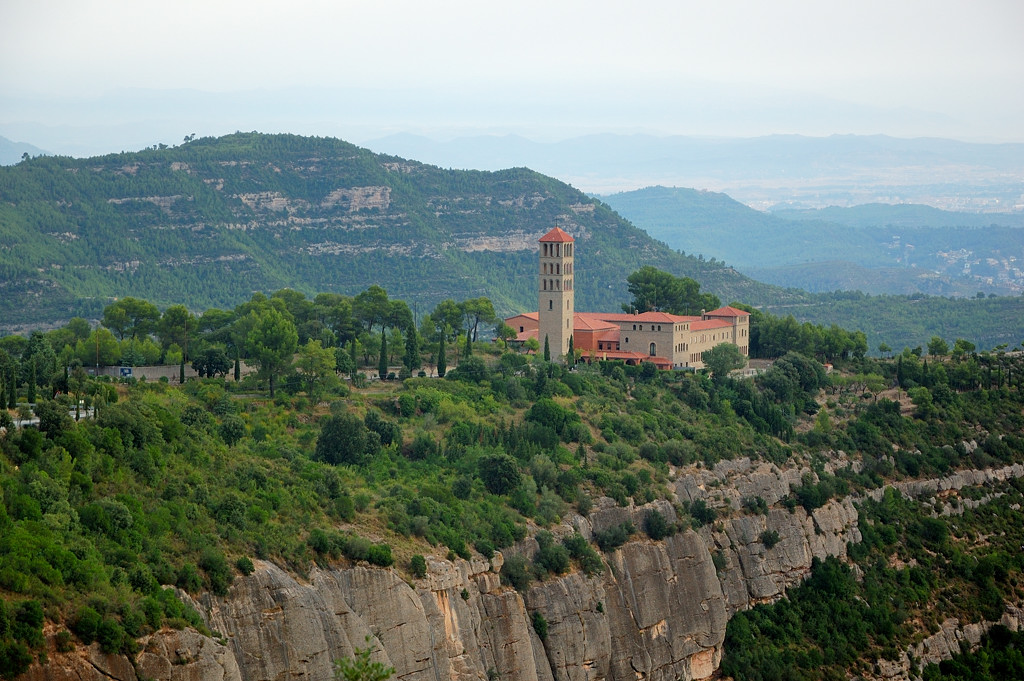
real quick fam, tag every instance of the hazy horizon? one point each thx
(120, 75)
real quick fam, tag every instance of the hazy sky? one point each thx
(814, 66)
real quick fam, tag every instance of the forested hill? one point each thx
(214, 219)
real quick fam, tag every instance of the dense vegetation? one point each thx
(916, 567)
(313, 463)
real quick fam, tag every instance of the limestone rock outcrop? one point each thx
(658, 611)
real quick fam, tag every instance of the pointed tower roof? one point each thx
(557, 234)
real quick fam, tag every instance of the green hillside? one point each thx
(213, 220)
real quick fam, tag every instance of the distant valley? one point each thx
(877, 249)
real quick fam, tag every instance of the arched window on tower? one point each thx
(551, 305)
(654, 350)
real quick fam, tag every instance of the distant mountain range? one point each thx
(877, 248)
(11, 152)
(769, 171)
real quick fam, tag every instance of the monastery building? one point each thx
(669, 341)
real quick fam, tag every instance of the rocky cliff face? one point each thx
(658, 611)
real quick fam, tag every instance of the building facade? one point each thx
(669, 341)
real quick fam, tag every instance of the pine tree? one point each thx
(382, 364)
(469, 345)
(442, 360)
(547, 350)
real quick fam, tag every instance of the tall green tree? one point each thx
(317, 365)
(477, 311)
(179, 327)
(412, 359)
(937, 346)
(271, 343)
(447, 319)
(382, 362)
(130, 317)
(655, 290)
(723, 358)
(371, 307)
(442, 358)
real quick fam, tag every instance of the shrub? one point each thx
(551, 557)
(217, 571)
(418, 566)
(110, 636)
(769, 538)
(380, 554)
(516, 573)
(582, 552)
(656, 527)
(540, 625)
(702, 513)
(245, 566)
(612, 538)
(189, 579)
(344, 439)
(500, 473)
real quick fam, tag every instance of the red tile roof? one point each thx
(705, 324)
(663, 317)
(727, 311)
(588, 321)
(557, 234)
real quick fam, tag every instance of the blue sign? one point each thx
(126, 372)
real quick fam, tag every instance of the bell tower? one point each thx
(555, 290)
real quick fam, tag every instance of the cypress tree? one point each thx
(181, 370)
(412, 350)
(547, 349)
(12, 388)
(31, 394)
(352, 355)
(442, 360)
(238, 368)
(572, 354)
(382, 364)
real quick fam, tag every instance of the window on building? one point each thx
(520, 329)
(654, 350)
